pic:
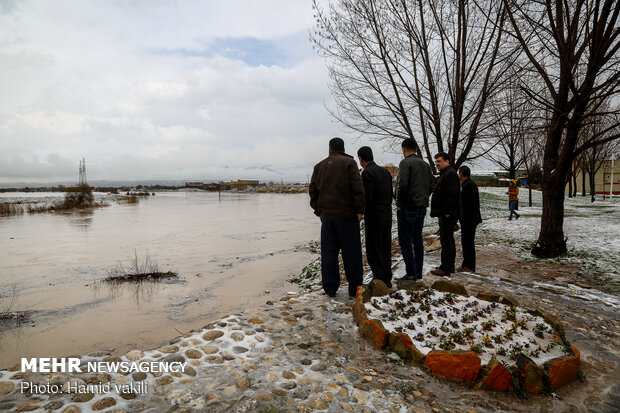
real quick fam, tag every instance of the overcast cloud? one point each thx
(162, 90)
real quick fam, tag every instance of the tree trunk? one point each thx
(583, 182)
(570, 187)
(551, 242)
(574, 185)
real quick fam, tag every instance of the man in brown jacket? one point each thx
(337, 197)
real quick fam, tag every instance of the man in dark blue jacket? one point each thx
(414, 185)
(445, 206)
(377, 216)
(469, 218)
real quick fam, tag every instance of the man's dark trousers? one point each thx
(468, 234)
(448, 248)
(336, 236)
(379, 246)
(410, 224)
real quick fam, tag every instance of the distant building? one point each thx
(197, 185)
(602, 179)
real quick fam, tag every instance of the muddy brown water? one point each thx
(231, 252)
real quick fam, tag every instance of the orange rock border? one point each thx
(465, 366)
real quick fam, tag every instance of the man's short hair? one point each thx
(409, 144)
(443, 155)
(365, 153)
(465, 171)
(336, 144)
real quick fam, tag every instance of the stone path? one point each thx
(304, 353)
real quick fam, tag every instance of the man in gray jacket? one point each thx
(414, 185)
(337, 197)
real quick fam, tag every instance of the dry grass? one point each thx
(7, 209)
(138, 270)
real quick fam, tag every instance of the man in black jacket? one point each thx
(377, 216)
(445, 206)
(337, 197)
(469, 218)
(414, 185)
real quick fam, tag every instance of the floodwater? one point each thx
(231, 252)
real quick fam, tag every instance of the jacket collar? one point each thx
(337, 152)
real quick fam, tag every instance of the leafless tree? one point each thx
(420, 69)
(573, 46)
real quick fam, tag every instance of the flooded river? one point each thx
(230, 252)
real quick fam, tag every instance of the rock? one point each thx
(139, 376)
(169, 349)
(455, 365)
(20, 376)
(243, 383)
(306, 362)
(239, 349)
(28, 406)
(564, 370)
(359, 310)
(329, 397)
(163, 381)
(264, 397)
(73, 383)
(303, 381)
(450, 287)
(496, 376)
(100, 378)
(488, 296)
(83, 397)
(71, 409)
(288, 375)
(229, 391)
(436, 245)
(289, 385)
(508, 300)
(128, 395)
(212, 335)
(401, 344)
(53, 405)
(269, 408)
(6, 387)
(193, 354)
(104, 403)
(134, 355)
(317, 403)
(279, 392)
(178, 358)
(554, 322)
(530, 375)
(319, 366)
(374, 330)
(360, 397)
(297, 369)
(343, 393)
(237, 336)
(347, 407)
(378, 288)
(209, 349)
(255, 321)
(227, 356)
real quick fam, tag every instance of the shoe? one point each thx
(407, 278)
(518, 216)
(466, 269)
(440, 272)
(509, 219)
(332, 295)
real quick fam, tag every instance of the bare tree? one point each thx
(573, 46)
(414, 69)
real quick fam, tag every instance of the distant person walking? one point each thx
(469, 218)
(513, 198)
(445, 206)
(337, 198)
(377, 216)
(414, 185)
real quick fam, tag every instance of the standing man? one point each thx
(470, 218)
(377, 216)
(445, 206)
(414, 185)
(337, 197)
(513, 198)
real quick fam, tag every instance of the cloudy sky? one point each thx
(189, 90)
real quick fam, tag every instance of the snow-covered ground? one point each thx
(592, 229)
